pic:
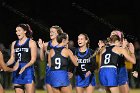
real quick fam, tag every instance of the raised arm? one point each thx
(43, 47)
(129, 56)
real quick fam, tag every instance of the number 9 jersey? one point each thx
(59, 69)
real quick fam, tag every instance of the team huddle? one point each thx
(62, 62)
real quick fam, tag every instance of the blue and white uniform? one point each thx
(23, 54)
(85, 64)
(108, 75)
(59, 69)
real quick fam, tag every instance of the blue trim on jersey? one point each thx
(122, 76)
(80, 82)
(84, 54)
(50, 44)
(61, 52)
(23, 43)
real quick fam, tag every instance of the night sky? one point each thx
(93, 17)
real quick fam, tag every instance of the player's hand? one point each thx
(1, 68)
(135, 74)
(40, 43)
(16, 66)
(87, 74)
(125, 43)
(70, 75)
(131, 47)
(22, 69)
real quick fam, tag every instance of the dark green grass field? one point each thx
(96, 91)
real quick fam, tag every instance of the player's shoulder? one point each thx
(13, 43)
(32, 41)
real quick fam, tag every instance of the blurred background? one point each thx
(97, 18)
(122, 14)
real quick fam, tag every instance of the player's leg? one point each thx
(66, 89)
(56, 90)
(30, 88)
(79, 90)
(114, 89)
(1, 89)
(107, 90)
(124, 88)
(123, 80)
(19, 88)
(89, 89)
(47, 80)
(49, 88)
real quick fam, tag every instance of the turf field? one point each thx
(96, 91)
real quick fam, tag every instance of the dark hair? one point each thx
(61, 36)
(113, 38)
(87, 38)
(104, 41)
(58, 28)
(27, 28)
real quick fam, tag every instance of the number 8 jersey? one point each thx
(109, 58)
(108, 75)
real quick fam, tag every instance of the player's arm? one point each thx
(3, 65)
(12, 56)
(49, 57)
(33, 48)
(43, 51)
(129, 56)
(100, 55)
(72, 57)
(42, 47)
